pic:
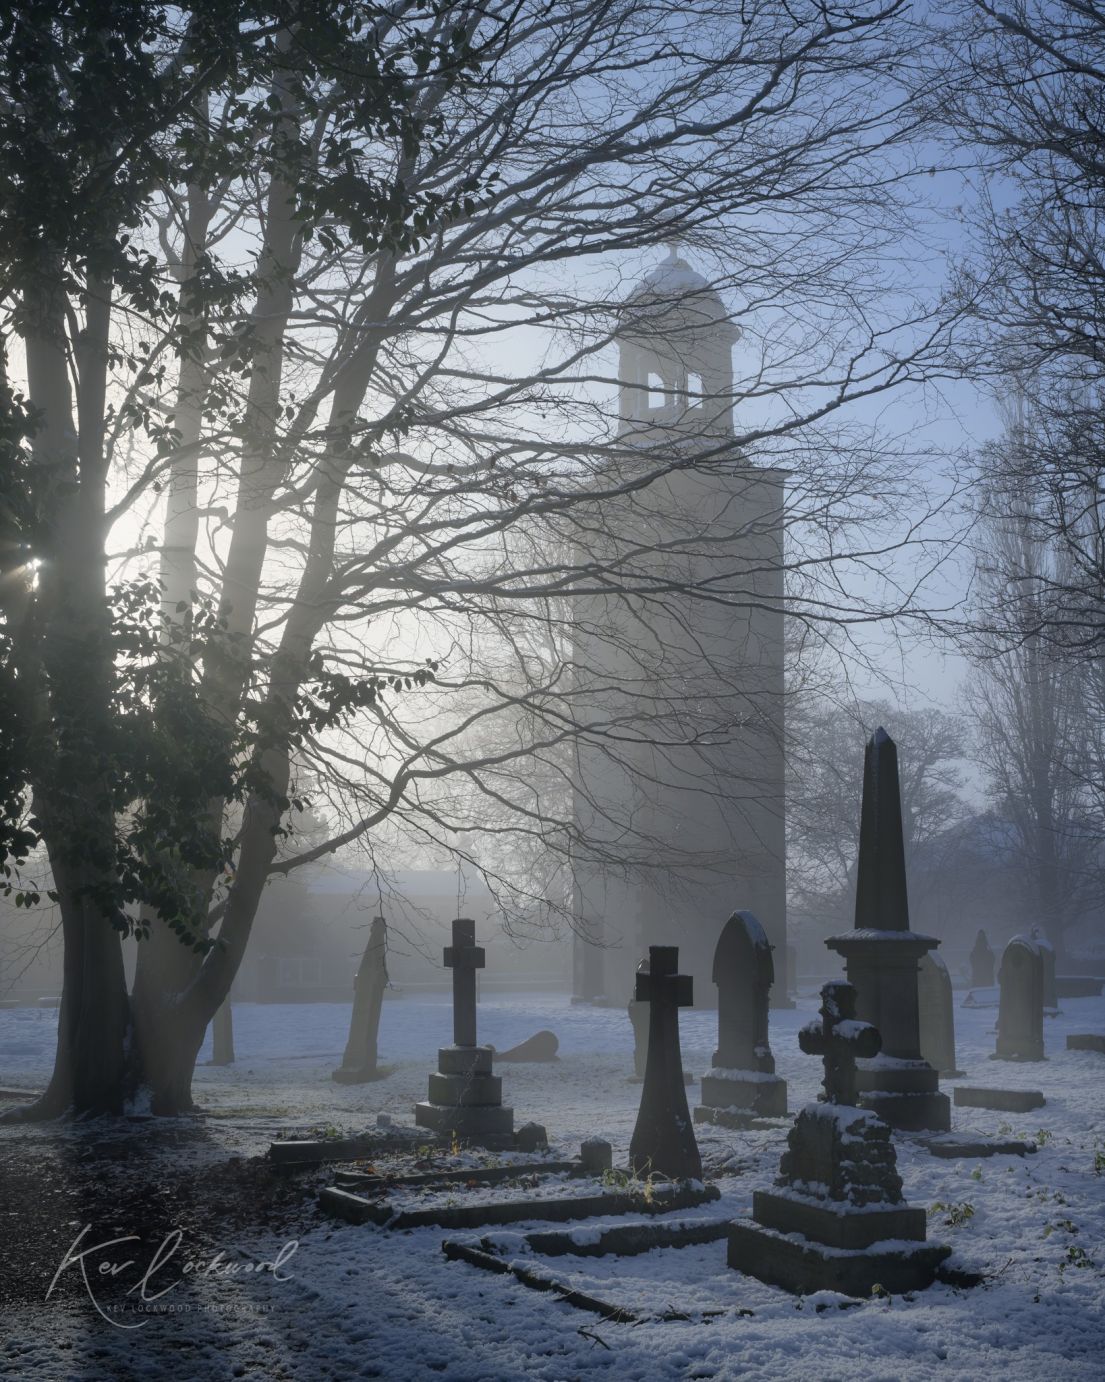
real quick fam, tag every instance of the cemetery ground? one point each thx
(364, 1301)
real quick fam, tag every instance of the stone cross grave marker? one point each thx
(663, 1140)
(465, 1097)
(359, 1062)
(464, 957)
(982, 962)
(839, 1039)
(742, 1076)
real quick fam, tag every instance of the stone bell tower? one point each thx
(686, 668)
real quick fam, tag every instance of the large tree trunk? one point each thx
(73, 667)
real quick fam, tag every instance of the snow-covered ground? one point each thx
(365, 1302)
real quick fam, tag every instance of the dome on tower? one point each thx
(674, 288)
(675, 344)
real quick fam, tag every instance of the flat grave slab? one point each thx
(501, 1254)
(1086, 1041)
(954, 1144)
(1005, 1100)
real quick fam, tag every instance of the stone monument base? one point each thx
(465, 1099)
(905, 1094)
(759, 1093)
(835, 1224)
(488, 1125)
(803, 1267)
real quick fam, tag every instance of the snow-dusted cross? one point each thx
(464, 957)
(840, 1040)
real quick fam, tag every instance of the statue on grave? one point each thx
(663, 1140)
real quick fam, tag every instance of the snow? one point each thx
(360, 1301)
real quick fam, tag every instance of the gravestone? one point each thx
(1047, 955)
(638, 1017)
(742, 1079)
(359, 1065)
(792, 971)
(663, 1141)
(937, 1018)
(982, 962)
(465, 1098)
(839, 1205)
(1021, 1006)
(881, 956)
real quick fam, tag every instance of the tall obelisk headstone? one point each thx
(663, 1141)
(742, 1081)
(359, 1062)
(881, 955)
(465, 1097)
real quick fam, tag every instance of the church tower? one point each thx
(684, 824)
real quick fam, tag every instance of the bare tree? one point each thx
(825, 781)
(1037, 736)
(351, 426)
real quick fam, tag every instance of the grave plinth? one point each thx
(465, 1097)
(882, 956)
(837, 1220)
(742, 1082)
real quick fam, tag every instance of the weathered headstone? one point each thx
(638, 1017)
(839, 1200)
(359, 1064)
(1021, 1007)
(742, 1079)
(663, 1141)
(465, 1097)
(881, 956)
(937, 1018)
(1047, 955)
(982, 962)
(792, 971)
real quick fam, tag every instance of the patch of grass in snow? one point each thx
(957, 1214)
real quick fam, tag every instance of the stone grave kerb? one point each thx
(663, 1139)
(464, 957)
